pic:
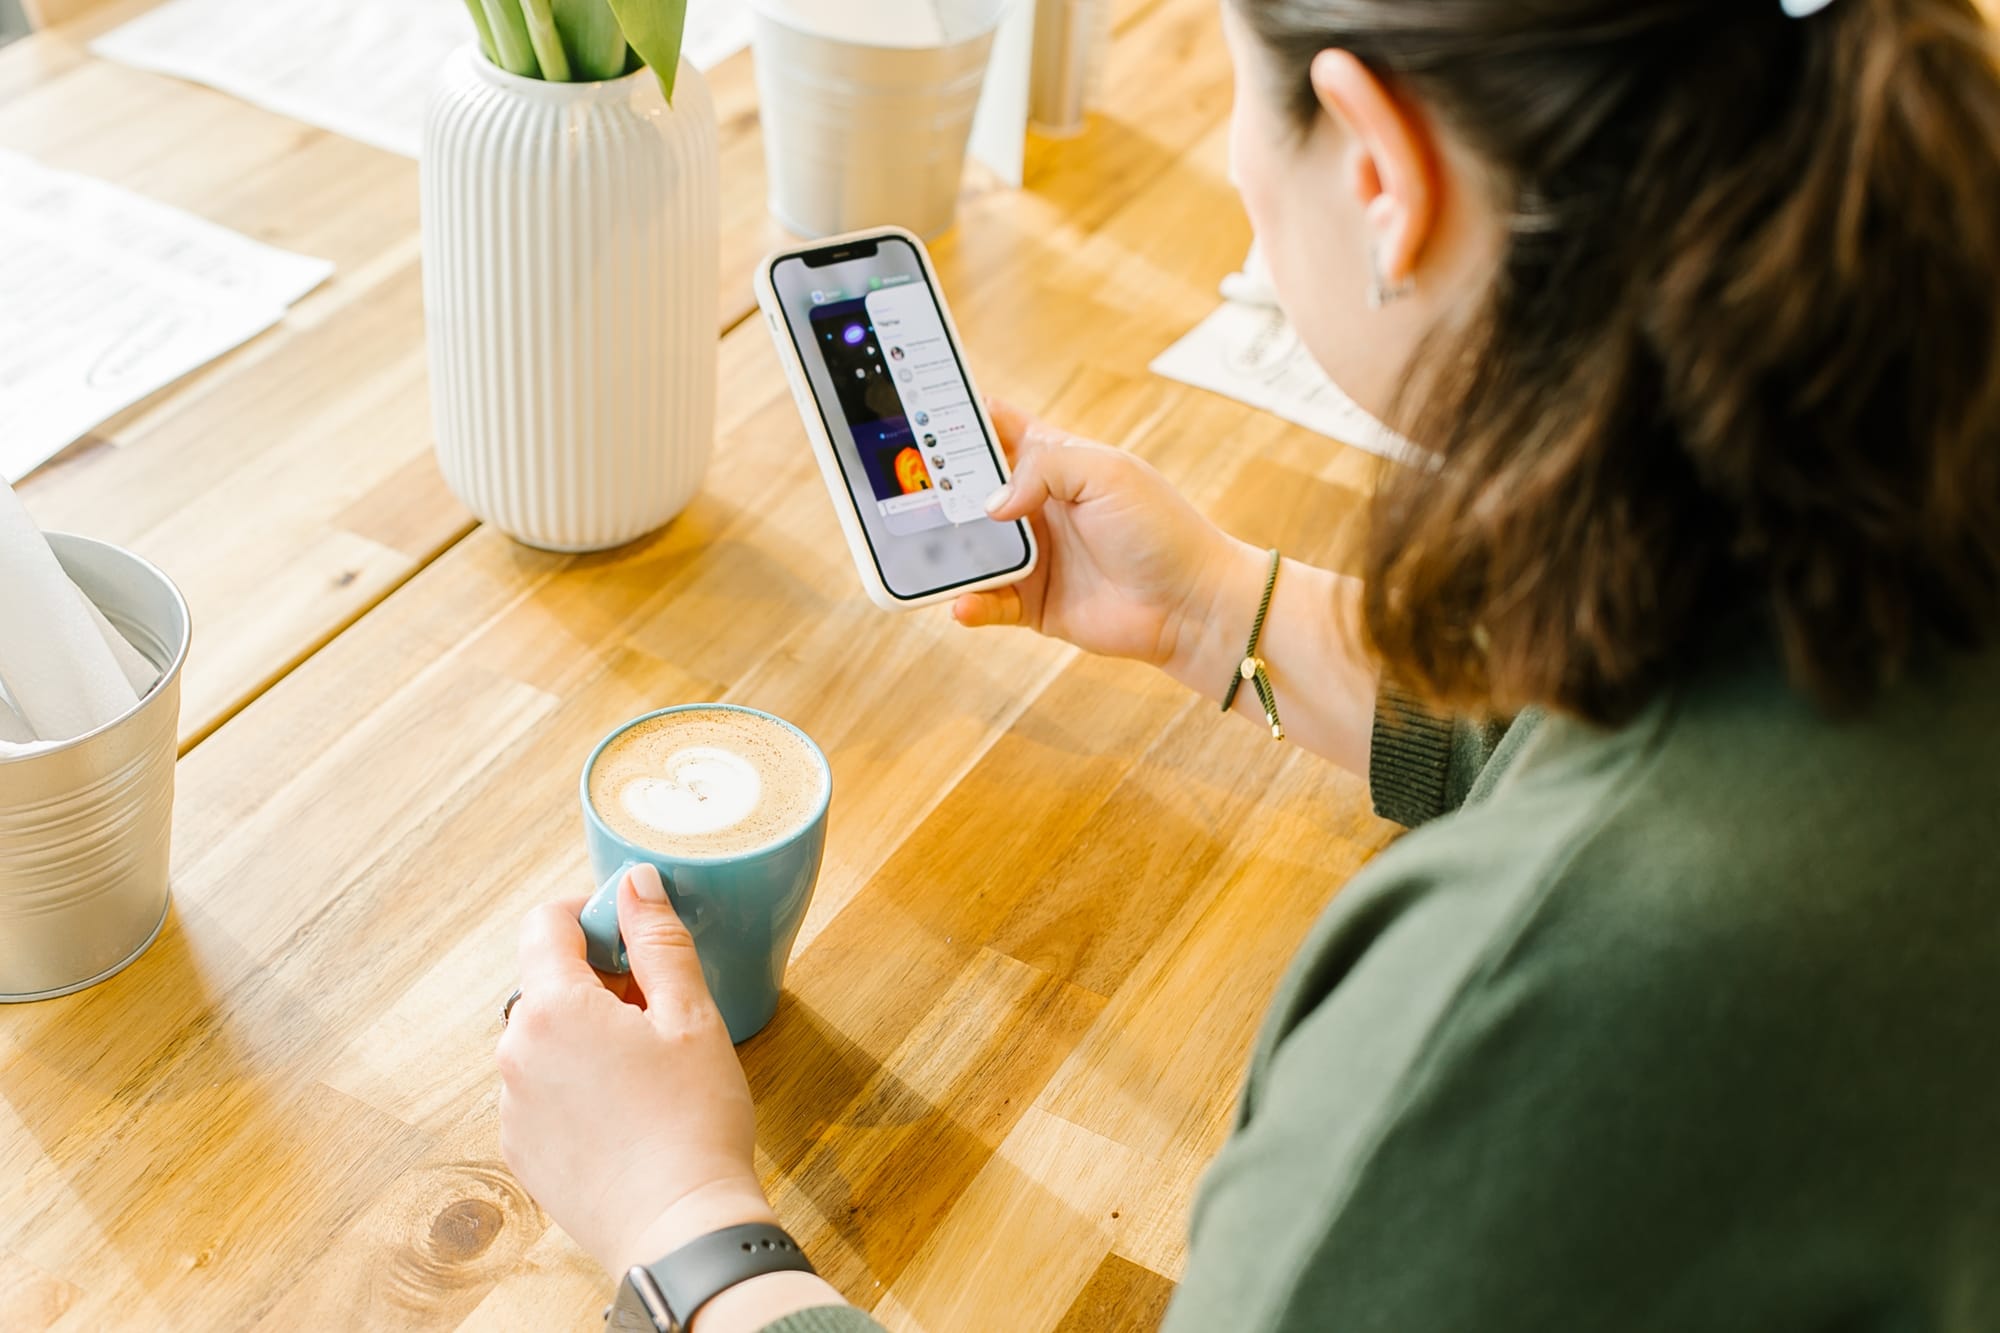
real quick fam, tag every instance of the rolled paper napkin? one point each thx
(64, 670)
(140, 673)
(13, 731)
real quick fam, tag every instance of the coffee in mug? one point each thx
(707, 782)
(729, 804)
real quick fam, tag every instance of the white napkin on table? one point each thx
(64, 670)
(13, 731)
(1252, 285)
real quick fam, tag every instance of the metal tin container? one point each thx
(860, 136)
(84, 827)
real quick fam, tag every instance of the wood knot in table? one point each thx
(455, 1234)
(465, 1229)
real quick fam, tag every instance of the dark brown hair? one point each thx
(1740, 362)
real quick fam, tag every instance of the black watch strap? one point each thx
(665, 1295)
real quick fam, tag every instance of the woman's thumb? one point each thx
(1060, 472)
(657, 942)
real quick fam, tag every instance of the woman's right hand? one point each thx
(1128, 567)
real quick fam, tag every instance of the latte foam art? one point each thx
(701, 789)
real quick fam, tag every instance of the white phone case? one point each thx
(822, 443)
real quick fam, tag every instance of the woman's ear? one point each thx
(1389, 162)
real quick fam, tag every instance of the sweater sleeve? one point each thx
(826, 1319)
(1422, 765)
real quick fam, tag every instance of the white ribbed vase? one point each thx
(570, 255)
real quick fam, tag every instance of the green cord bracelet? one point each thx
(1252, 666)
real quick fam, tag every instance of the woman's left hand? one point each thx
(623, 1109)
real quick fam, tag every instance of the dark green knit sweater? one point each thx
(1690, 1026)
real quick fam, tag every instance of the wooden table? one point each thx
(1058, 891)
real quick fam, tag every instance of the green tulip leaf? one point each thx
(654, 28)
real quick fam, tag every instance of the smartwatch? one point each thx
(663, 1297)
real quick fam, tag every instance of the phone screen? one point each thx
(892, 390)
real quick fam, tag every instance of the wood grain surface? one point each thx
(289, 485)
(1058, 890)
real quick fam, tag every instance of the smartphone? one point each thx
(904, 443)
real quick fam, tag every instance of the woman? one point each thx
(1687, 1019)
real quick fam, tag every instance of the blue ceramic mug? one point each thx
(744, 909)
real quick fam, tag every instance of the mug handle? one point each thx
(599, 920)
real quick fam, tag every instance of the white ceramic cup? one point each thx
(862, 132)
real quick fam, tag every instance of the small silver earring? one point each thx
(1380, 292)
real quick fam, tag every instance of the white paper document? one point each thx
(361, 68)
(106, 296)
(1247, 351)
